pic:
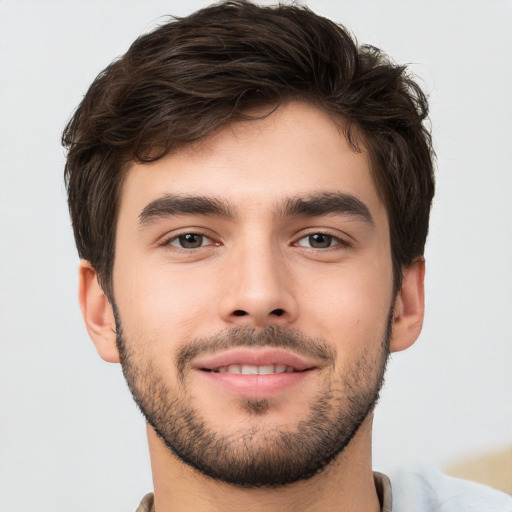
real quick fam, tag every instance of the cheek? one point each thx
(157, 304)
(350, 308)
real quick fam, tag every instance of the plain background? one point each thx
(70, 437)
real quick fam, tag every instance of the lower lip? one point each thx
(256, 386)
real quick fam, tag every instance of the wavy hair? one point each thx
(192, 75)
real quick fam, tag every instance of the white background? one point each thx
(70, 437)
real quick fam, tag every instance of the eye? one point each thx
(190, 241)
(320, 241)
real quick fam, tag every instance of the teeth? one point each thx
(247, 369)
(265, 370)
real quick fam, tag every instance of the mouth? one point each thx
(247, 369)
(264, 361)
(255, 373)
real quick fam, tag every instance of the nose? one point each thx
(258, 289)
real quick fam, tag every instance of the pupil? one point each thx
(191, 240)
(320, 241)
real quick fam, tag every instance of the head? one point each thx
(191, 76)
(269, 128)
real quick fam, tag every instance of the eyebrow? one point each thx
(326, 203)
(173, 205)
(315, 205)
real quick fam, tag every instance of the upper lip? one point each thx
(254, 357)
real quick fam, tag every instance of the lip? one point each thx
(261, 357)
(255, 386)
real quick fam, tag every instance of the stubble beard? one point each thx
(258, 456)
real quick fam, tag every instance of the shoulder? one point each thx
(147, 504)
(423, 488)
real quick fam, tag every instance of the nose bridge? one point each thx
(258, 291)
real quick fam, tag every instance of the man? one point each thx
(250, 194)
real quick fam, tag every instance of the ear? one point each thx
(97, 313)
(409, 307)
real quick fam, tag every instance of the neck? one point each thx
(345, 485)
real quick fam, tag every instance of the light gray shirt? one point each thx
(417, 487)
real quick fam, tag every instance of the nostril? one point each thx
(239, 312)
(277, 312)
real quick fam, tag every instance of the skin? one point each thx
(257, 263)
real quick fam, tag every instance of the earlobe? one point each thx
(409, 307)
(97, 313)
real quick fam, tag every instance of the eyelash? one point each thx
(339, 243)
(168, 241)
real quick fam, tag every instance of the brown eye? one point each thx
(320, 241)
(190, 241)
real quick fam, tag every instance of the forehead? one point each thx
(256, 165)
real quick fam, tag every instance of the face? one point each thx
(253, 296)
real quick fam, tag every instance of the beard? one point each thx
(258, 455)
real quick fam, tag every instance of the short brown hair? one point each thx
(192, 75)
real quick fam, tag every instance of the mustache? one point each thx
(269, 336)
